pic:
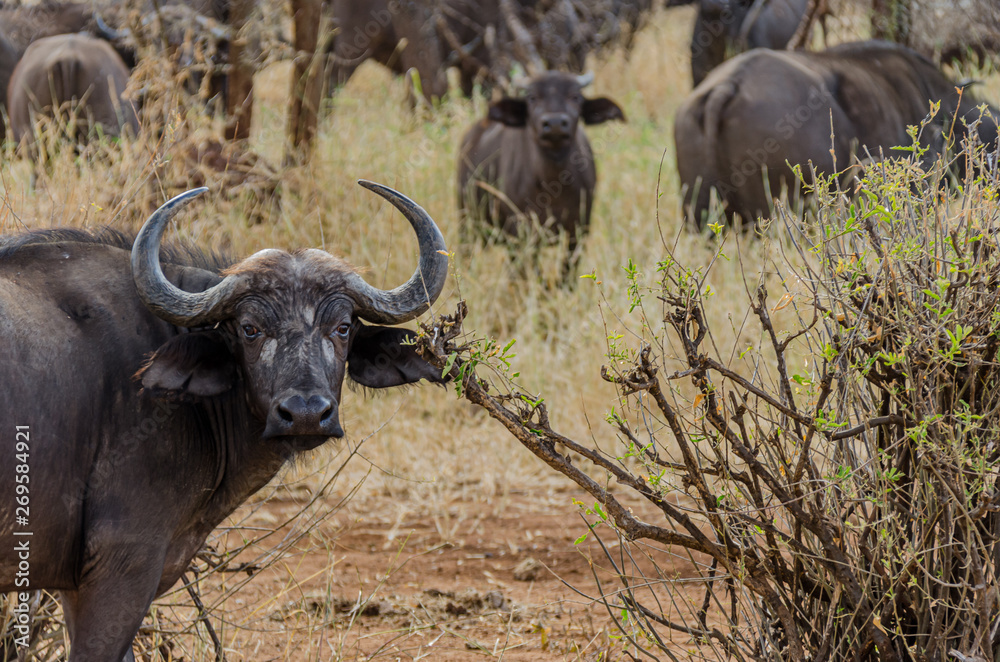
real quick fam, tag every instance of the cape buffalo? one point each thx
(476, 36)
(8, 60)
(726, 27)
(766, 109)
(70, 69)
(27, 23)
(149, 392)
(530, 157)
(405, 36)
(21, 25)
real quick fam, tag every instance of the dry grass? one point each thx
(423, 448)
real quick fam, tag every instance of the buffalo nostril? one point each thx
(303, 415)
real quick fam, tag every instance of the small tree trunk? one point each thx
(239, 90)
(303, 110)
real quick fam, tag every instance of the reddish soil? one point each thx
(498, 586)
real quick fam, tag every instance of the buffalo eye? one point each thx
(250, 331)
(342, 330)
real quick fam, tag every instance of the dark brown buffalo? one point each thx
(476, 36)
(156, 390)
(532, 150)
(405, 36)
(766, 109)
(27, 23)
(724, 28)
(73, 70)
(9, 56)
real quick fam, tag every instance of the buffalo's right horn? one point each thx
(220, 32)
(162, 297)
(416, 295)
(583, 80)
(105, 31)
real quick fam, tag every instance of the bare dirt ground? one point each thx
(506, 581)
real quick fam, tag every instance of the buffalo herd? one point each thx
(185, 381)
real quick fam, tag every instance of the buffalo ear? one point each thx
(196, 364)
(508, 111)
(598, 111)
(378, 358)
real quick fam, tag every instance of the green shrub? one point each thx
(833, 482)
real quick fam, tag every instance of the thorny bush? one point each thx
(844, 510)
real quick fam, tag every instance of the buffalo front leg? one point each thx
(103, 618)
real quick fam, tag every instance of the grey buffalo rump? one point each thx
(73, 69)
(726, 27)
(764, 110)
(21, 25)
(159, 390)
(532, 150)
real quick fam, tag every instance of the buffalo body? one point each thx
(765, 111)
(155, 393)
(529, 158)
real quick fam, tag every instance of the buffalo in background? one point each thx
(483, 39)
(20, 26)
(24, 24)
(529, 161)
(943, 30)
(75, 78)
(764, 110)
(724, 28)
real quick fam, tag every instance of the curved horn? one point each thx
(108, 32)
(522, 39)
(583, 80)
(348, 62)
(220, 32)
(417, 294)
(162, 297)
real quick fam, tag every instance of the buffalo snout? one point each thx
(555, 129)
(300, 415)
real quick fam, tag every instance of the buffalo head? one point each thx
(551, 109)
(286, 327)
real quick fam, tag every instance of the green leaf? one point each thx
(448, 364)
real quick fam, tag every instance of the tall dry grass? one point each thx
(422, 447)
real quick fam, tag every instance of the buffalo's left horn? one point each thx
(416, 295)
(583, 80)
(162, 297)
